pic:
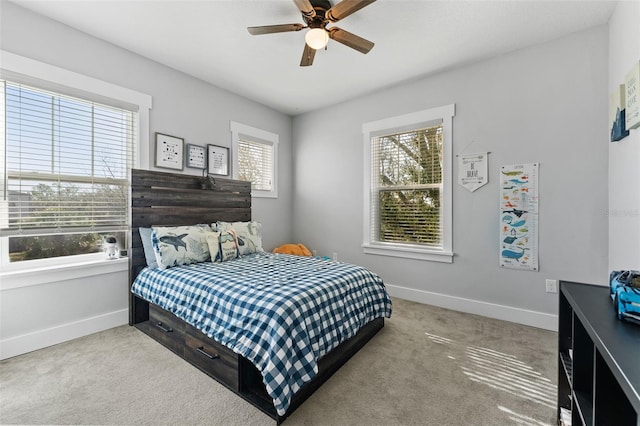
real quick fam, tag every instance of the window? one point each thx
(408, 185)
(65, 177)
(255, 152)
(69, 143)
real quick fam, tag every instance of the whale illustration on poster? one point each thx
(519, 217)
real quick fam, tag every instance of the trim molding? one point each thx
(19, 345)
(51, 274)
(31, 71)
(419, 119)
(491, 310)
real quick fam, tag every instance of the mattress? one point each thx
(281, 312)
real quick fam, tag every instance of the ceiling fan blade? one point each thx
(270, 29)
(346, 8)
(348, 39)
(305, 7)
(307, 56)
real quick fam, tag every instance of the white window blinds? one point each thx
(255, 164)
(67, 163)
(406, 187)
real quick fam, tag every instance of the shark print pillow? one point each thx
(180, 245)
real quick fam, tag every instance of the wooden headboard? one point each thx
(171, 199)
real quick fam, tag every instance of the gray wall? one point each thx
(182, 105)
(40, 309)
(547, 103)
(624, 155)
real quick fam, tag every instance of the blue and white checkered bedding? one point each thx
(281, 312)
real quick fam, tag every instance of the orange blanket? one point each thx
(297, 249)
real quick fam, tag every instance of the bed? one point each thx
(222, 316)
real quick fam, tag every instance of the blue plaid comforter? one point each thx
(281, 312)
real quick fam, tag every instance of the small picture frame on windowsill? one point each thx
(169, 152)
(218, 160)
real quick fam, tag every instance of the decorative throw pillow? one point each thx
(180, 245)
(249, 235)
(147, 246)
(228, 245)
(213, 241)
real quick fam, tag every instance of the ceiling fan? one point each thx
(317, 14)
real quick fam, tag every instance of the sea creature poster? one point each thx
(519, 217)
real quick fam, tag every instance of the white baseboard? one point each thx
(476, 307)
(52, 336)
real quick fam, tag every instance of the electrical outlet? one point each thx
(552, 286)
(334, 256)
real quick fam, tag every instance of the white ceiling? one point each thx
(208, 40)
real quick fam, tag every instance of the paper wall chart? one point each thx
(519, 217)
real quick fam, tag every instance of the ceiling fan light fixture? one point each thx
(317, 14)
(317, 38)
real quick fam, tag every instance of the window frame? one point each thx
(240, 132)
(396, 124)
(41, 75)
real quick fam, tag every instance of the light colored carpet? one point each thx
(428, 366)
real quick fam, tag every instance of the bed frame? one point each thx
(170, 199)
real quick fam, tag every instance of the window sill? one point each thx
(263, 194)
(407, 252)
(49, 274)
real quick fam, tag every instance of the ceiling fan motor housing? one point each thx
(319, 20)
(324, 4)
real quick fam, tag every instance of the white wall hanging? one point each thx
(473, 170)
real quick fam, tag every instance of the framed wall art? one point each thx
(169, 152)
(218, 160)
(196, 157)
(632, 97)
